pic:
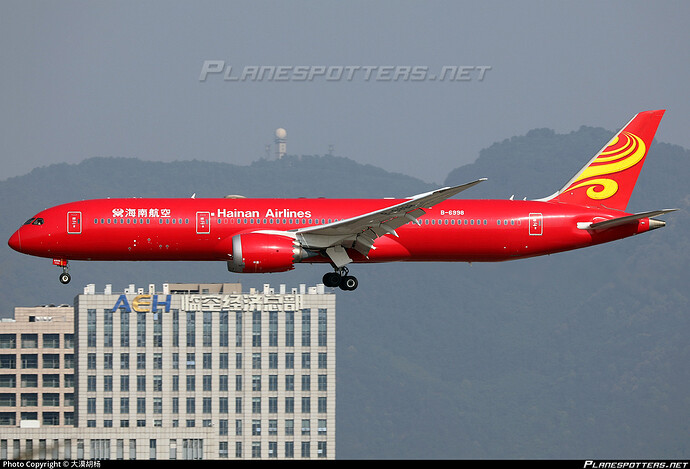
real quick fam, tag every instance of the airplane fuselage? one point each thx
(202, 229)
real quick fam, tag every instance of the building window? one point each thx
(306, 360)
(207, 336)
(51, 361)
(157, 405)
(29, 361)
(323, 326)
(107, 328)
(175, 328)
(124, 383)
(321, 449)
(91, 405)
(91, 383)
(69, 361)
(273, 329)
(306, 404)
(191, 383)
(289, 329)
(322, 405)
(8, 400)
(8, 361)
(141, 329)
(191, 405)
(8, 381)
(238, 329)
(124, 361)
(8, 418)
(29, 399)
(223, 449)
(191, 329)
(124, 329)
(223, 332)
(256, 329)
(51, 340)
(157, 329)
(51, 381)
(124, 405)
(29, 381)
(306, 327)
(8, 341)
(323, 360)
(91, 327)
(141, 382)
(158, 383)
(107, 405)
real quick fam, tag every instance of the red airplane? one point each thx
(272, 235)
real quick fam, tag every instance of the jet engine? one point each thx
(263, 252)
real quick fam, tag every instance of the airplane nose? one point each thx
(15, 241)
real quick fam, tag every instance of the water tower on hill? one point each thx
(281, 143)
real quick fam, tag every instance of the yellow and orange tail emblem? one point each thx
(609, 178)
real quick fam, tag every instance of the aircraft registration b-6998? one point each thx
(272, 235)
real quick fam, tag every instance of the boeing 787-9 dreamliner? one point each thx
(272, 235)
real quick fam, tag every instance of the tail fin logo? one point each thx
(623, 152)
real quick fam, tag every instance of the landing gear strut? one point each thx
(340, 278)
(65, 277)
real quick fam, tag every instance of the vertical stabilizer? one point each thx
(609, 178)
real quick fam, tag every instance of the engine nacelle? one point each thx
(262, 252)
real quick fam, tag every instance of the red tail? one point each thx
(609, 178)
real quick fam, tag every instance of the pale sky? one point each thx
(85, 79)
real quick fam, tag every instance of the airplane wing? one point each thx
(360, 232)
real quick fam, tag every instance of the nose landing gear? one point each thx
(340, 278)
(65, 277)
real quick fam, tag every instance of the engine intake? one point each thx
(262, 252)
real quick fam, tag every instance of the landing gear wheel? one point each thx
(65, 278)
(331, 279)
(348, 283)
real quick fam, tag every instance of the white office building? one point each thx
(185, 371)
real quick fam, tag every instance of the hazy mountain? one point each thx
(575, 355)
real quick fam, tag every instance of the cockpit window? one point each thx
(29, 221)
(38, 221)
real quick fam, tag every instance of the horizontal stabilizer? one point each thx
(628, 219)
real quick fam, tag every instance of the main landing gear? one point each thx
(340, 278)
(65, 277)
